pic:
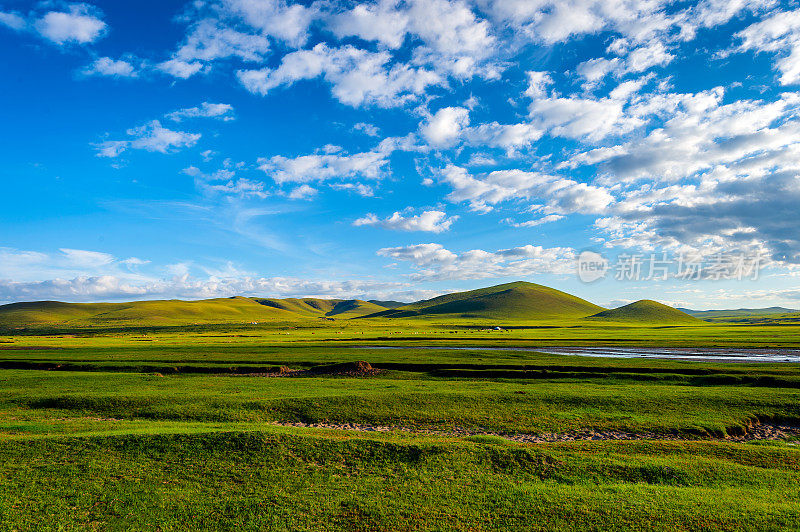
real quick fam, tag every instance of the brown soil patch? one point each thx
(358, 368)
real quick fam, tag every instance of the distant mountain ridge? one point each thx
(747, 315)
(509, 302)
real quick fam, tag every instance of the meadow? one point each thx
(114, 424)
(167, 428)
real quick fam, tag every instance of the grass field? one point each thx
(164, 427)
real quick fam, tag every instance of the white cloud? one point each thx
(357, 76)
(220, 111)
(368, 129)
(326, 166)
(80, 275)
(450, 126)
(533, 223)
(209, 41)
(180, 69)
(275, 18)
(241, 187)
(25, 266)
(80, 258)
(581, 118)
(151, 137)
(509, 137)
(430, 221)
(106, 66)
(80, 24)
(700, 134)
(452, 39)
(443, 128)
(359, 188)
(12, 20)
(778, 34)
(381, 22)
(537, 84)
(302, 192)
(559, 195)
(433, 262)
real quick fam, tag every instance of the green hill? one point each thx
(511, 301)
(646, 311)
(178, 312)
(387, 304)
(317, 308)
(137, 313)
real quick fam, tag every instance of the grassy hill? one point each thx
(310, 307)
(177, 312)
(646, 311)
(137, 313)
(511, 301)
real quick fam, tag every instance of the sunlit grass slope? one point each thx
(177, 312)
(144, 313)
(646, 311)
(512, 301)
(316, 307)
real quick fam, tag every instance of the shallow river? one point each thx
(679, 353)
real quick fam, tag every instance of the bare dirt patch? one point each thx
(761, 431)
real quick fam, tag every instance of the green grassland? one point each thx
(111, 450)
(163, 416)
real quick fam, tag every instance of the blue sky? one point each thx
(398, 149)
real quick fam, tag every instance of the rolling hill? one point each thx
(512, 301)
(137, 313)
(518, 302)
(646, 311)
(177, 312)
(317, 308)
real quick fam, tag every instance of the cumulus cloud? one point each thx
(326, 166)
(533, 223)
(450, 126)
(368, 129)
(432, 262)
(111, 287)
(780, 35)
(208, 41)
(220, 111)
(179, 68)
(357, 76)
(582, 118)
(302, 192)
(274, 18)
(509, 137)
(80, 24)
(430, 221)
(359, 188)
(550, 194)
(81, 275)
(453, 39)
(151, 137)
(115, 68)
(444, 127)
(242, 187)
(12, 20)
(381, 22)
